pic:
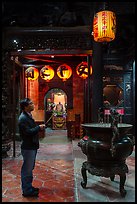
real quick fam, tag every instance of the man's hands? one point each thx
(42, 126)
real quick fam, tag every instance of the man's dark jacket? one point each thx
(28, 130)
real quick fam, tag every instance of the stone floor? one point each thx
(58, 174)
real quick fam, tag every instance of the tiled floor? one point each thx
(58, 175)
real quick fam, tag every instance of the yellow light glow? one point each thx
(31, 73)
(47, 73)
(82, 70)
(104, 26)
(64, 72)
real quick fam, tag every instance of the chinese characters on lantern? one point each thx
(31, 73)
(47, 73)
(104, 26)
(63, 71)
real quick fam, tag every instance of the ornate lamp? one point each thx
(47, 73)
(64, 72)
(82, 70)
(31, 73)
(104, 26)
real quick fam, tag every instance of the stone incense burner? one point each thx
(106, 146)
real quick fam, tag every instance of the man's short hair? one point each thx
(24, 103)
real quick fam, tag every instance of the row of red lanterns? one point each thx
(63, 71)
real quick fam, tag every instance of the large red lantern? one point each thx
(104, 26)
(64, 72)
(47, 73)
(82, 70)
(31, 73)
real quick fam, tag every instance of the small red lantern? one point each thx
(31, 73)
(47, 73)
(64, 72)
(104, 26)
(82, 70)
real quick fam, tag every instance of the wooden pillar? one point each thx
(89, 90)
(87, 94)
(133, 98)
(97, 77)
(14, 109)
(85, 101)
(22, 83)
(6, 104)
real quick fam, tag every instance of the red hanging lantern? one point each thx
(47, 73)
(104, 26)
(31, 73)
(82, 70)
(64, 72)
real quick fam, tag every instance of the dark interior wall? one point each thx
(122, 77)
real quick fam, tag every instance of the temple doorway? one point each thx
(55, 109)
